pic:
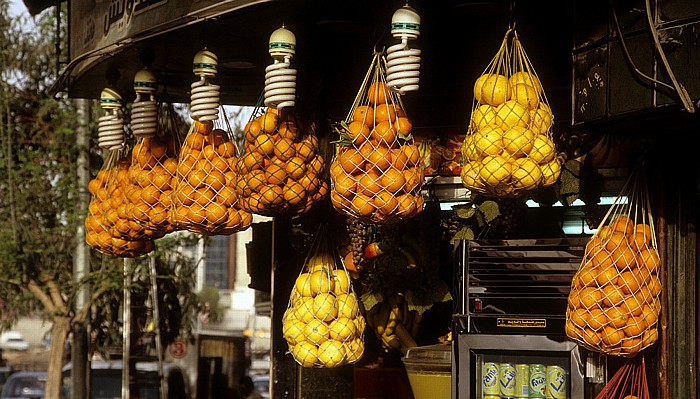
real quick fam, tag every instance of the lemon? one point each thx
(305, 353)
(304, 309)
(489, 140)
(320, 262)
(321, 282)
(316, 331)
(360, 324)
(470, 175)
(331, 353)
(342, 282)
(324, 307)
(526, 95)
(543, 149)
(469, 150)
(342, 329)
(526, 174)
(541, 119)
(518, 141)
(550, 172)
(512, 113)
(494, 90)
(303, 285)
(354, 350)
(522, 77)
(293, 331)
(478, 85)
(482, 116)
(495, 170)
(347, 305)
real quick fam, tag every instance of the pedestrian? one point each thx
(248, 388)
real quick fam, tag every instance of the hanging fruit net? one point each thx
(376, 173)
(629, 382)
(107, 219)
(508, 148)
(150, 180)
(281, 170)
(323, 324)
(614, 305)
(204, 199)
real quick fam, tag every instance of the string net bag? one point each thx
(323, 325)
(508, 148)
(150, 180)
(628, 382)
(376, 174)
(281, 169)
(107, 219)
(614, 302)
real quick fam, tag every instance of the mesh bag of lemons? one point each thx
(150, 181)
(204, 199)
(376, 173)
(323, 324)
(614, 305)
(509, 148)
(107, 210)
(281, 170)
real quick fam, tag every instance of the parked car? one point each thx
(5, 372)
(107, 380)
(25, 385)
(13, 341)
(262, 385)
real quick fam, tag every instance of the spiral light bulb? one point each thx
(280, 79)
(403, 63)
(205, 96)
(144, 111)
(110, 127)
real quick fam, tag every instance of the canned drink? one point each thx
(538, 381)
(492, 397)
(489, 380)
(522, 381)
(556, 383)
(506, 379)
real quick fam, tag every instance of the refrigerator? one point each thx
(508, 324)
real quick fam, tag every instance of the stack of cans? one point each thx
(523, 381)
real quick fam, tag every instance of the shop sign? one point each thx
(178, 349)
(521, 322)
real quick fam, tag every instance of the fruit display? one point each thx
(376, 174)
(323, 324)
(614, 302)
(509, 148)
(281, 170)
(108, 210)
(394, 324)
(205, 199)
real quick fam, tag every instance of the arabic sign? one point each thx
(521, 322)
(96, 24)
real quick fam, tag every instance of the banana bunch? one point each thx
(394, 324)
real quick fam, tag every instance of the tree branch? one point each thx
(34, 288)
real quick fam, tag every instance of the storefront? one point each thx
(619, 106)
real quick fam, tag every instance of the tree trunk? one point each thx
(59, 333)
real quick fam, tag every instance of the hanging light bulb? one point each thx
(144, 111)
(110, 127)
(403, 63)
(280, 79)
(205, 96)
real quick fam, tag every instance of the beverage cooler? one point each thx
(508, 329)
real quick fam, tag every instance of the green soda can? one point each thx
(489, 379)
(522, 381)
(556, 383)
(506, 379)
(538, 381)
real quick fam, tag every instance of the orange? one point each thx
(628, 282)
(344, 185)
(413, 154)
(317, 164)
(285, 149)
(649, 337)
(624, 257)
(215, 180)
(377, 93)
(649, 259)
(616, 240)
(364, 114)
(604, 233)
(226, 196)
(580, 317)
(612, 336)
(386, 203)
(591, 337)
(385, 113)
(639, 240)
(413, 179)
(196, 214)
(194, 141)
(269, 121)
(380, 158)
(635, 326)
(271, 195)
(362, 205)
(203, 127)
(351, 160)
(216, 213)
(309, 182)
(150, 195)
(654, 286)
(339, 201)
(384, 133)
(294, 194)
(288, 130)
(590, 297)
(574, 299)
(197, 178)
(407, 205)
(305, 150)
(597, 319)
(393, 180)
(276, 174)
(606, 275)
(399, 159)
(612, 295)
(631, 345)
(369, 184)
(203, 196)
(295, 167)
(161, 181)
(623, 224)
(403, 125)
(252, 161)
(264, 144)
(593, 246)
(252, 129)
(633, 305)
(209, 152)
(226, 149)
(616, 317)
(650, 315)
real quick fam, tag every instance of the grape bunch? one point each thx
(511, 209)
(360, 233)
(452, 225)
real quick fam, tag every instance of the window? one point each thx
(216, 272)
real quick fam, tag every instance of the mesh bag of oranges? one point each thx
(107, 217)
(613, 305)
(204, 199)
(150, 181)
(508, 148)
(281, 170)
(323, 324)
(376, 173)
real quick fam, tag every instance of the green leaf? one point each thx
(417, 302)
(465, 213)
(441, 292)
(570, 183)
(370, 299)
(405, 136)
(466, 233)
(490, 210)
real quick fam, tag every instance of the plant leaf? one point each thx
(466, 233)
(370, 299)
(490, 210)
(465, 213)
